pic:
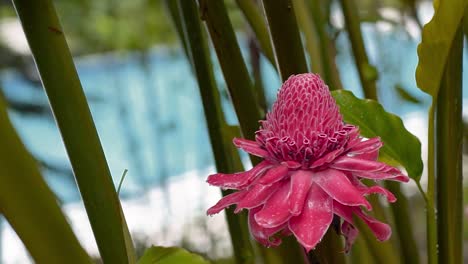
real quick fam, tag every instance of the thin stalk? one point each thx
(30, 206)
(330, 71)
(431, 220)
(226, 157)
(448, 163)
(285, 37)
(232, 65)
(306, 23)
(62, 85)
(257, 74)
(257, 22)
(365, 69)
(401, 218)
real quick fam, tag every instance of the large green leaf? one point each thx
(170, 255)
(437, 38)
(399, 144)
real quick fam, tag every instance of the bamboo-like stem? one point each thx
(330, 72)
(400, 212)
(448, 135)
(431, 220)
(232, 64)
(353, 27)
(285, 37)
(258, 24)
(306, 23)
(409, 249)
(30, 206)
(71, 111)
(226, 157)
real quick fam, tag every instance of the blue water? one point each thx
(149, 115)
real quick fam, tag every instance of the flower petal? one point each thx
(350, 233)
(310, 226)
(380, 190)
(240, 179)
(226, 201)
(338, 186)
(301, 181)
(327, 158)
(273, 175)
(276, 209)
(382, 176)
(256, 196)
(355, 164)
(369, 145)
(261, 234)
(381, 230)
(251, 147)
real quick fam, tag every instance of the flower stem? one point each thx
(448, 157)
(367, 72)
(258, 24)
(431, 220)
(285, 37)
(226, 157)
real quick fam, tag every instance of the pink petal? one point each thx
(256, 196)
(276, 209)
(338, 186)
(251, 147)
(350, 232)
(261, 234)
(380, 190)
(310, 226)
(327, 158)
(225, 202)
(240, 179)
(273, 175)
(382, 176)
(381, 230)
(356, 164)
(369, 145)
(301, 181)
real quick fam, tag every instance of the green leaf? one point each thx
(170, 255)
(437, 38)
(29, 205)
(399, 144)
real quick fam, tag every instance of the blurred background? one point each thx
(148, 112)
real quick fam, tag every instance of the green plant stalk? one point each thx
(257, 23)
(285, 37)
(306, 23)
(449, 180)
(290, 56)
(232, 65)
(352, 23)
(62, 85)
(431, 220)
(226, 157)
(173, 9)
(360, 253)
(330, 72)
(404, 228)
(30, 206)
(400, 212)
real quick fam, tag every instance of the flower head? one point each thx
(312, 170)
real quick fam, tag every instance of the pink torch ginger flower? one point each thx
(312, 170)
